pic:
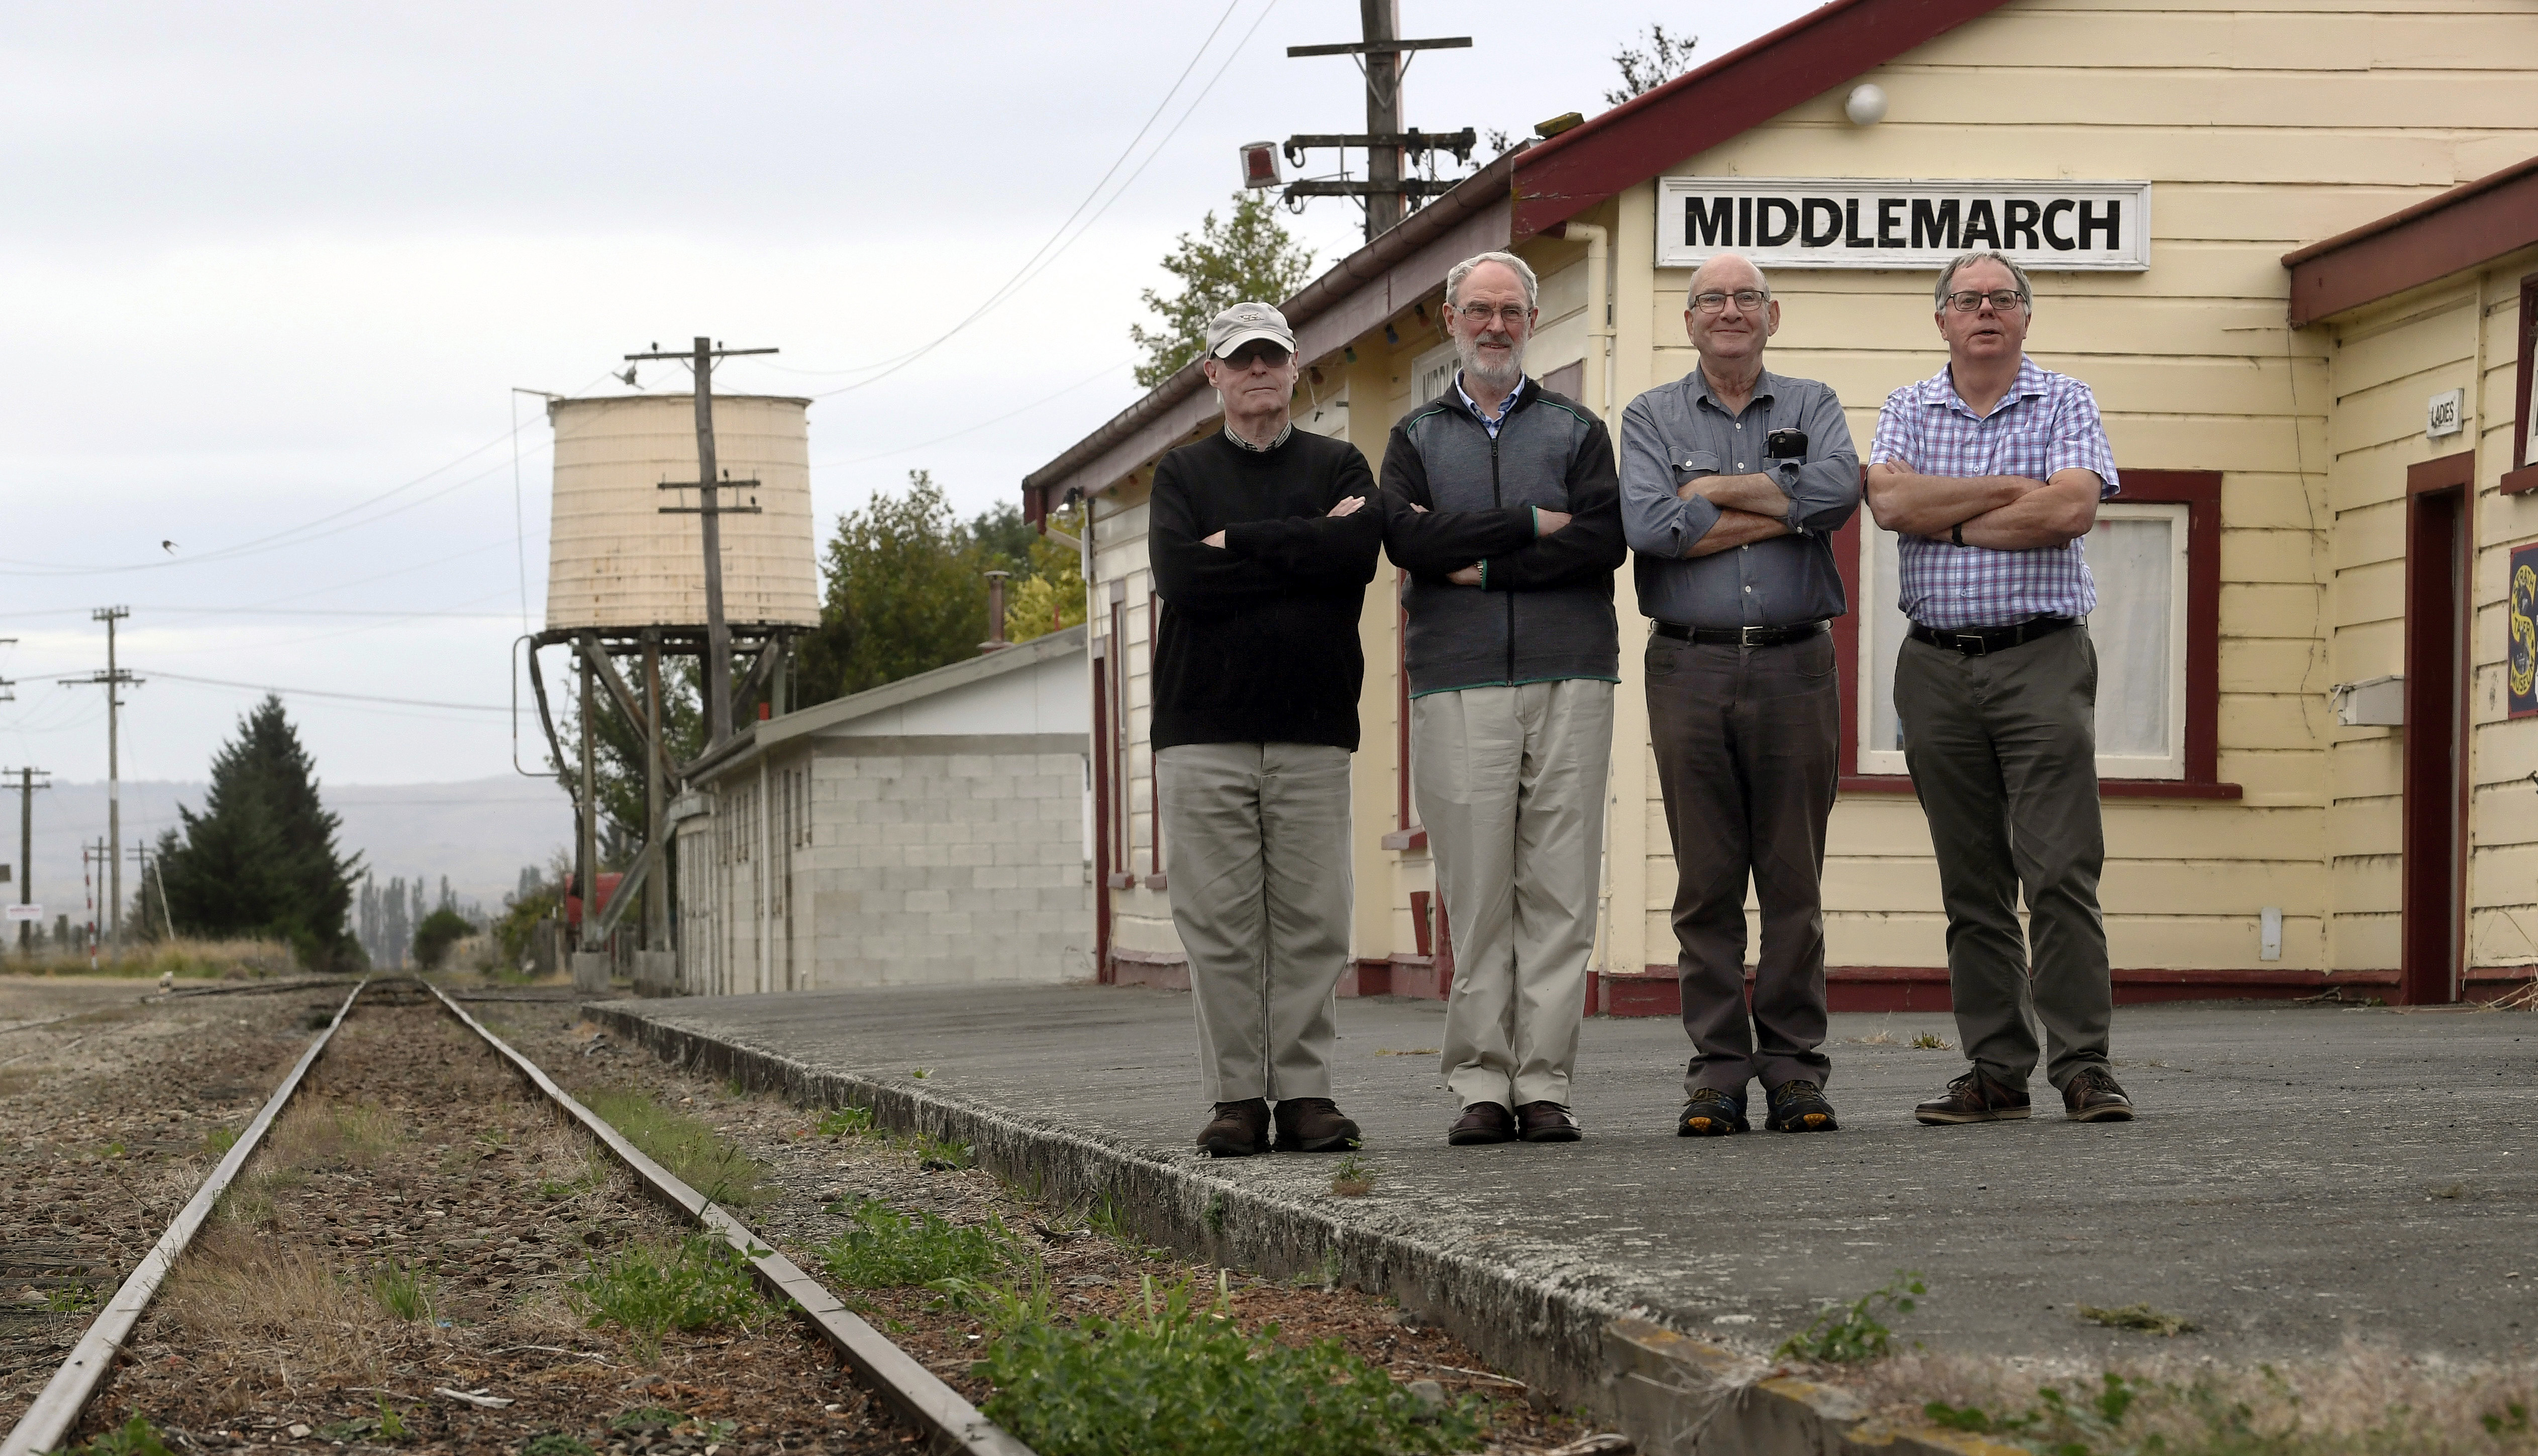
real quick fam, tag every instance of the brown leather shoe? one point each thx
(2091, 1095)
(1974, 1097)
(1239, 1130)
(1313, 1125)
(1547, 1122)
(1482, 1122)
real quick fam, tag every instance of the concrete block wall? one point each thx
(941, 868)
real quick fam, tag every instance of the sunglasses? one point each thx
(1256, 350)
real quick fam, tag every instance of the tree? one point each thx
(439, 930)
(1051, 597)
(903, 594)
(1644, 70)
(260, 859)
(1249, 257)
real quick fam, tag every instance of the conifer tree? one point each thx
(260, 859)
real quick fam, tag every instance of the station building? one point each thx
(2291, 247)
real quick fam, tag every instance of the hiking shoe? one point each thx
(1239, 1130)
(1547, 1122)
(1800, 1107)
(1974, 1097)
(2091, 1095)
(1313, 1125)
(1713, 1113)
(1481, 1123)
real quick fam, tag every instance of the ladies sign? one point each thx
(1850, 223)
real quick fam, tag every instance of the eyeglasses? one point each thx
(1508, 317)
(2001, 300)
(1254, 351)
(1747, 301)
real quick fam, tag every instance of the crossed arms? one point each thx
(2004, 512)
(1515, 548)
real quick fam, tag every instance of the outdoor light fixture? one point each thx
(1260, 164)
(1866, 106)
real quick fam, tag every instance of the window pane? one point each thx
(2133, 560)
(1888, 632)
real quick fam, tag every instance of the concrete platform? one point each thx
(2301, 1177)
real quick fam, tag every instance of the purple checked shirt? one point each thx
(2046, 423)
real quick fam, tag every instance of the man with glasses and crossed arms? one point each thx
(1261, 550)
(1500, 502)
(1989, 473)
(1733, 480)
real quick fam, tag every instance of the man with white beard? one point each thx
(1502, 503)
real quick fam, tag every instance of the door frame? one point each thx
(2434, 778)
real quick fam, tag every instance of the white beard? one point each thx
(1467, 355)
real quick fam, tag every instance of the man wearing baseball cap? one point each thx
(1261, 548)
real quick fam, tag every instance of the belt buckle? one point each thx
(1971, 643)
(1751, 636)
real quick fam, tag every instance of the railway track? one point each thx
(360, 1186)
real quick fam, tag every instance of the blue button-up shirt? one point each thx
(1678, 432)
(1488, 422)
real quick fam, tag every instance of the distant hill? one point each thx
(479, 832)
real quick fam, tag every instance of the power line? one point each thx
(1044, 255)
(473, 707)
(1091, 378)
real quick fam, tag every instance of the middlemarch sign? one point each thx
(1871, 222)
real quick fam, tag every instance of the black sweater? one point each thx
(1258, 640)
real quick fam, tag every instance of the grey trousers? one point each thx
(1748, 746)
(1257, 845)
(2003, 752)
(1510, 788)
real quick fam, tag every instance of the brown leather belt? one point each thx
(1975, 641)
(1741, 637)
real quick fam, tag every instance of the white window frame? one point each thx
(1432, 373)
(1875, 592)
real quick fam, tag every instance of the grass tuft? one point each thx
(845, 1122)
(700, 1157)
(650, 1288)
(1842, 1335)
(1354, 1180)
(404, 1290)
(884, 1248)
(2138, 1317)
(1183, 1380)
(135, 1437)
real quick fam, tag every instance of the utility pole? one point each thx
(589, 847)
(114, 679)
(27, 787)
(92, 855)
(145, 865)
(711, 511)
(656, 895)
(1384, 57)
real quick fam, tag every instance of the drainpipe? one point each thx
(1599, 329)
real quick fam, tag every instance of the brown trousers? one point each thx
(2003, 749)
(1748, 747)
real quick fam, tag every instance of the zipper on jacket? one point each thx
(1499, 502)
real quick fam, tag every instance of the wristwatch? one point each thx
(1956, 533)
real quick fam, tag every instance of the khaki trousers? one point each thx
(2003, 752)
(1510, 786)
(1257, 845)
(1749, 746)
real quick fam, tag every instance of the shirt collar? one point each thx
(1241, 443)
(1474, 404)
(1941, 388)
(1700, 390)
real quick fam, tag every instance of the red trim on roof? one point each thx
(2470, 224)
(1741, 89)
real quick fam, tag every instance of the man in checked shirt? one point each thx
(1989, 473)
(1733, 480)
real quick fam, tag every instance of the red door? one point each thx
(2439, 549)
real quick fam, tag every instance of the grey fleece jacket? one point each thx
(1454, 497)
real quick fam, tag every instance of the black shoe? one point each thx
(1313, 1125)
(1547, 1122)
(1481, 1123)
(1974, 1097)
(2091, 1095)
(1713, 1113)
(1239, 1130)
(1800, 1107)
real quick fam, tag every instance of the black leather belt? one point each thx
(1975, 641)
(1741, 637)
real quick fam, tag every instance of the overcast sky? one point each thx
(273, 272)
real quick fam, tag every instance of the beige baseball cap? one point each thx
(1244, 322)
